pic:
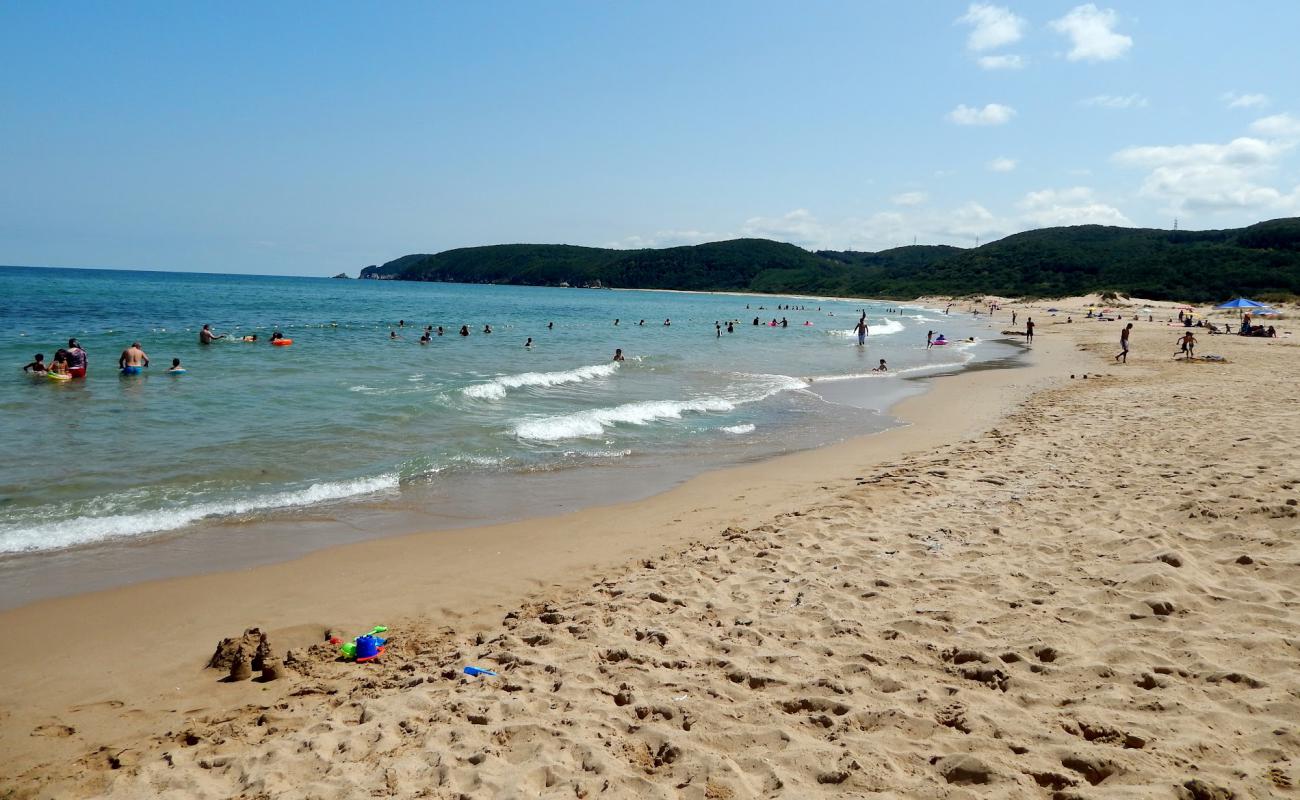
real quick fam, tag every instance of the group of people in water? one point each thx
(72, 361)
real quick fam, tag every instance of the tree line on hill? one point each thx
(1260, 261)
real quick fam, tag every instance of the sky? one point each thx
(313, 138)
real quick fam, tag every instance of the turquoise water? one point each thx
(349, 415)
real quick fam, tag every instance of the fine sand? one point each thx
(1046, 586)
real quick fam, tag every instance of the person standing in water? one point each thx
(618, 354)
(464, 330)
(861, 330)
(132, 360)
(206, 336)
(717, 327)
(529, 343)
(929, 339)
(1122, 356)
(77, 359)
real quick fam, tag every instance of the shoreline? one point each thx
(220, 545)
(361, 584)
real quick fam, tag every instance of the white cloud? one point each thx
(991, 26)
(1282, 126)
(668, 238)
(881, 230)
(1236, 100)
(1002, 164)
(1091, 33)
(1116, 101)
(1217, 177)
(991, 114)
(1074, 206)
(909, 198)
(1009, 61)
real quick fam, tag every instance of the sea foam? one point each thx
(882, 328)
(496, 388)
(85, 530)
(594, 421)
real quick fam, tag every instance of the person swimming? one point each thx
(618, 354)
(487, 328)
(276, 336)
(529, 343)
(252, 337)
(439, 330)
(176, 367)
(392, 334)
(425, 338)
(38, 365)
(464, 330)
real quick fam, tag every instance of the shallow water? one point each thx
(348, 415)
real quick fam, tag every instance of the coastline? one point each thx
(453, 502)
(905, 675)
(346, 585)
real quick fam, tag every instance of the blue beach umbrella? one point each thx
(1240, 302)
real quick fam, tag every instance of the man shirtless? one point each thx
(133, 359)
(206, 336)
(1122, 356)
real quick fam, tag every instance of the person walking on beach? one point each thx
(1029, 330)
(1013, 318)
(1122, 356)
(77, 359)
(861, 330)
(206, 336)
(1187, 346)
(133, 359)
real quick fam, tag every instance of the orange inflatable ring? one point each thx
(282, 342)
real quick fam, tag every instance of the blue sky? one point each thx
(298, 138)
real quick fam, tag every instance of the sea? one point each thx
(359, 429)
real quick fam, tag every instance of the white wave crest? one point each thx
(23, 537)
(882, 328)
(496, 388)
(593, 422)
(739, 430)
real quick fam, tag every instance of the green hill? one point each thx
(1261, 260)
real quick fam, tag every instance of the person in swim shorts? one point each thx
(1122, 356)
(133, 359)
(77, 359)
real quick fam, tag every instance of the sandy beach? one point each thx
(1076, 579)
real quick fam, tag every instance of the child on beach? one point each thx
(37, 366)
(882, 367)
